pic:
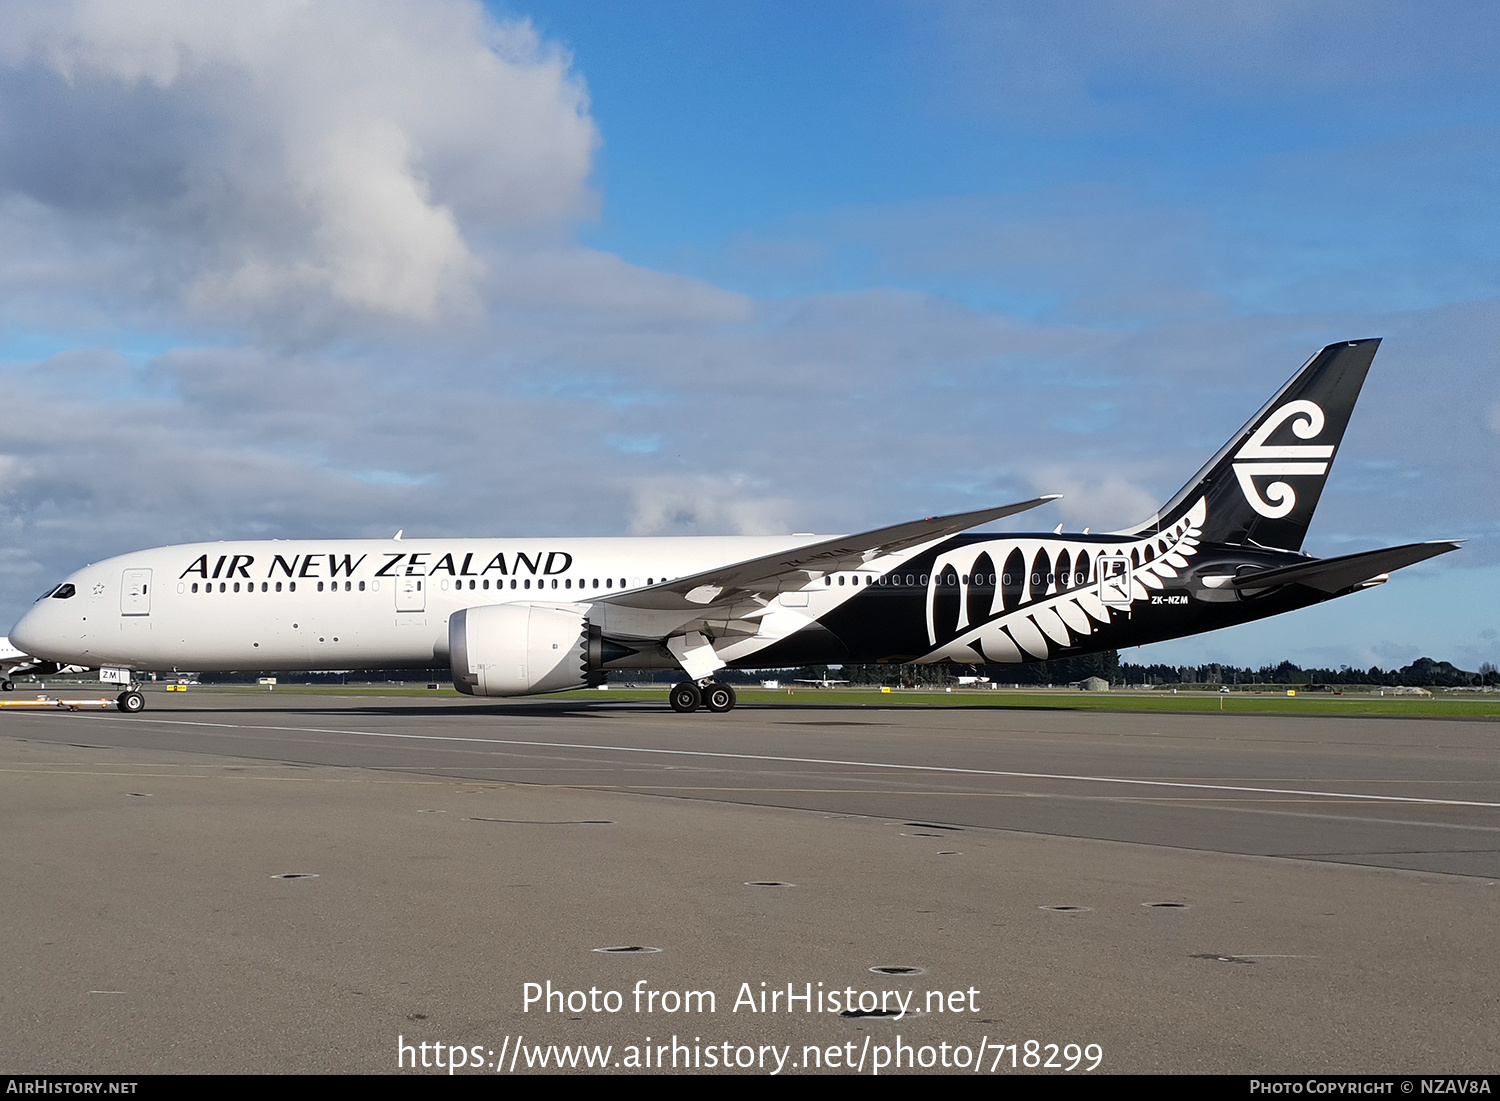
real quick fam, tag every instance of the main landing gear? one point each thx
(690, 695)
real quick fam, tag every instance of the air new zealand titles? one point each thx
(516, 617)
(398, 564)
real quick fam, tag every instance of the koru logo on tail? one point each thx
(1258, 458)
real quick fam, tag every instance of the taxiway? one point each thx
(1193, 892)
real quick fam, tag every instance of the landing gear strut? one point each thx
(688, 696)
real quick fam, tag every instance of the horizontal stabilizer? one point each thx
(846, 552)
(1336, 575)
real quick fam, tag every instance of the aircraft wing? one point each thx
(1335, 575)
(795, 566)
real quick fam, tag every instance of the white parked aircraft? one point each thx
(515, 617)
(14, 663)
(11, 661)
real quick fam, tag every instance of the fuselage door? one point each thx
(135, 592)
(411, 594)
(1114, 580)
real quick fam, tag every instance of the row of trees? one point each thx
(1422, 673)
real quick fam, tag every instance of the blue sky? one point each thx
(337, 268)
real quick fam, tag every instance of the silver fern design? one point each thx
(1048, 595)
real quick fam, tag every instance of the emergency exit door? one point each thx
(135, 592)
(411, 595)
(1114, 580)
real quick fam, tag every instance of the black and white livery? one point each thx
(517, 617)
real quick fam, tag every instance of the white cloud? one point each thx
(12, 469)
(1104, 502)
(705, 505)
(279, 158)
(598, 285)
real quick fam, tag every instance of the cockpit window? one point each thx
(62, 592)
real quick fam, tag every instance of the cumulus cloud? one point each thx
(265, 159)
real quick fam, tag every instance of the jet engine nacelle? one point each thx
(523, 649)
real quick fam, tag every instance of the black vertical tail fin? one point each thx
(1263, 485)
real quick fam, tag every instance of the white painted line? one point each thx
(827, 761)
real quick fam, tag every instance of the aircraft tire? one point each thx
(719, 698)
(131, 702)
(8, 686)
(685, 697)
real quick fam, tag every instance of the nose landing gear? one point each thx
(131, 702)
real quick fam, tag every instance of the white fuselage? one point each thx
(11, 658)
(365, 604)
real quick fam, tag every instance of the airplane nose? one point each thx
(29, 635)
